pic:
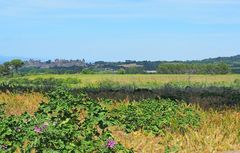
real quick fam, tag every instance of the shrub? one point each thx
(155, 116)
(56, 126)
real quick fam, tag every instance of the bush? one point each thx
(121, 71)
(156, 116)
(87, 71)
(57, 127)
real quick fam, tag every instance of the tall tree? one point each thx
(16, 64)
(4, 70)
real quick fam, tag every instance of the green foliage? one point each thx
(38, 84)
(4, 70)
(180, 68)
(2, 111)
(10, 67)
(135, 70)
(87, 71)
(108, 84)
(56, 127)
(156, 116)
(121, 71)
(16, 64)
(113, 85)
(238, 136)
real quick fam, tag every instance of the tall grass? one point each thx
(17, 104)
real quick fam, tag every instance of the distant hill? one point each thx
(233, 62)
(228, 60)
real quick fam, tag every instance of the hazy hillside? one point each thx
(233, 61)
(229, 60)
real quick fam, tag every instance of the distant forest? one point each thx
(220, 65)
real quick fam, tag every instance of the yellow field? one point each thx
(17, 104)
(143, 80)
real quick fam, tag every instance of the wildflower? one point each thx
(111, 144)
(45, 125)
(37, 129)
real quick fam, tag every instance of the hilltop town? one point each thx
(55, 63)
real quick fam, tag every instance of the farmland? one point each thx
(217, 130)
(169, 123)
(130, 76)
(142, 80)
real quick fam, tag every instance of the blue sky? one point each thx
(114, 30)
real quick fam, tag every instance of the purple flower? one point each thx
(111, 144)
(37, 129)
(45, 125)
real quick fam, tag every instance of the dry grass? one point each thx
(17, 104)
(219, 132)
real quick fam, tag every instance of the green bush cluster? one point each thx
(56, 127)
(156, 117)
(38, 84)
(43, 81)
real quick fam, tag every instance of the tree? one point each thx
(121, 71)
(223, 68)
(9, 67)
(16, 64)
(4, 70)
(87, 71)
(181, 68)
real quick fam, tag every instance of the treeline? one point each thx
(180, 68)
(17, 66)
(164, 68)
(233, 62)
(53, 70)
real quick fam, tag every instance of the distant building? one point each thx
(150, 71)
(55, 63)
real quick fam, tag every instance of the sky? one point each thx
(116, 30)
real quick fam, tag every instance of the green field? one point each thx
(143, 80)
